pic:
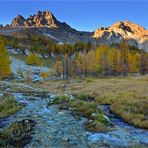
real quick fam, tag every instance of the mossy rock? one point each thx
(100, 117)
(95, 126)
(18, 134)
(98, 123)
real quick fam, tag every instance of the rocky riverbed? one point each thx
(58, 128)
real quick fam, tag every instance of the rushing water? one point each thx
(56, 128)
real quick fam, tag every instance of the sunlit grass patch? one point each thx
(131, 106)
(132, 109)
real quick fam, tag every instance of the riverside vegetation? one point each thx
(84, 106)
(127, 96)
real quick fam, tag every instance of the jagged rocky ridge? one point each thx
(45, 23)
(135, 35)
(41, 19)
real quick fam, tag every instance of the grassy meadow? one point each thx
(127, 96)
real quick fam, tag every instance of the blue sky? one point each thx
(86, 15)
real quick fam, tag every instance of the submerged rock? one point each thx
(23, 102)
(1, 95)
(3, 122)
(36, 78)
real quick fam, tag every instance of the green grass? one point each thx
(61, 99)
(83, 108)
(8, 106)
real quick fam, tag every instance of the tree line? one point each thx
(81, 59)
(104, 61)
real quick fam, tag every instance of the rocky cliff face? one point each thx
(41, 19)
(18, 21)
(135, 35)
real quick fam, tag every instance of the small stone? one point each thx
(66, 138)
(61, 113)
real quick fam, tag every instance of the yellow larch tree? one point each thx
(5, 69)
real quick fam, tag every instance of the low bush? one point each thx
(84, 108)
(61, 99)
(20, 73)
(45, 75)
(33, 59)
(63, 102)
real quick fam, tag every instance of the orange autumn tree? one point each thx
(134, 62)
(59, 67)
(124, 50)
(114, 56)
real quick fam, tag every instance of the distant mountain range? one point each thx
(45, 23)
